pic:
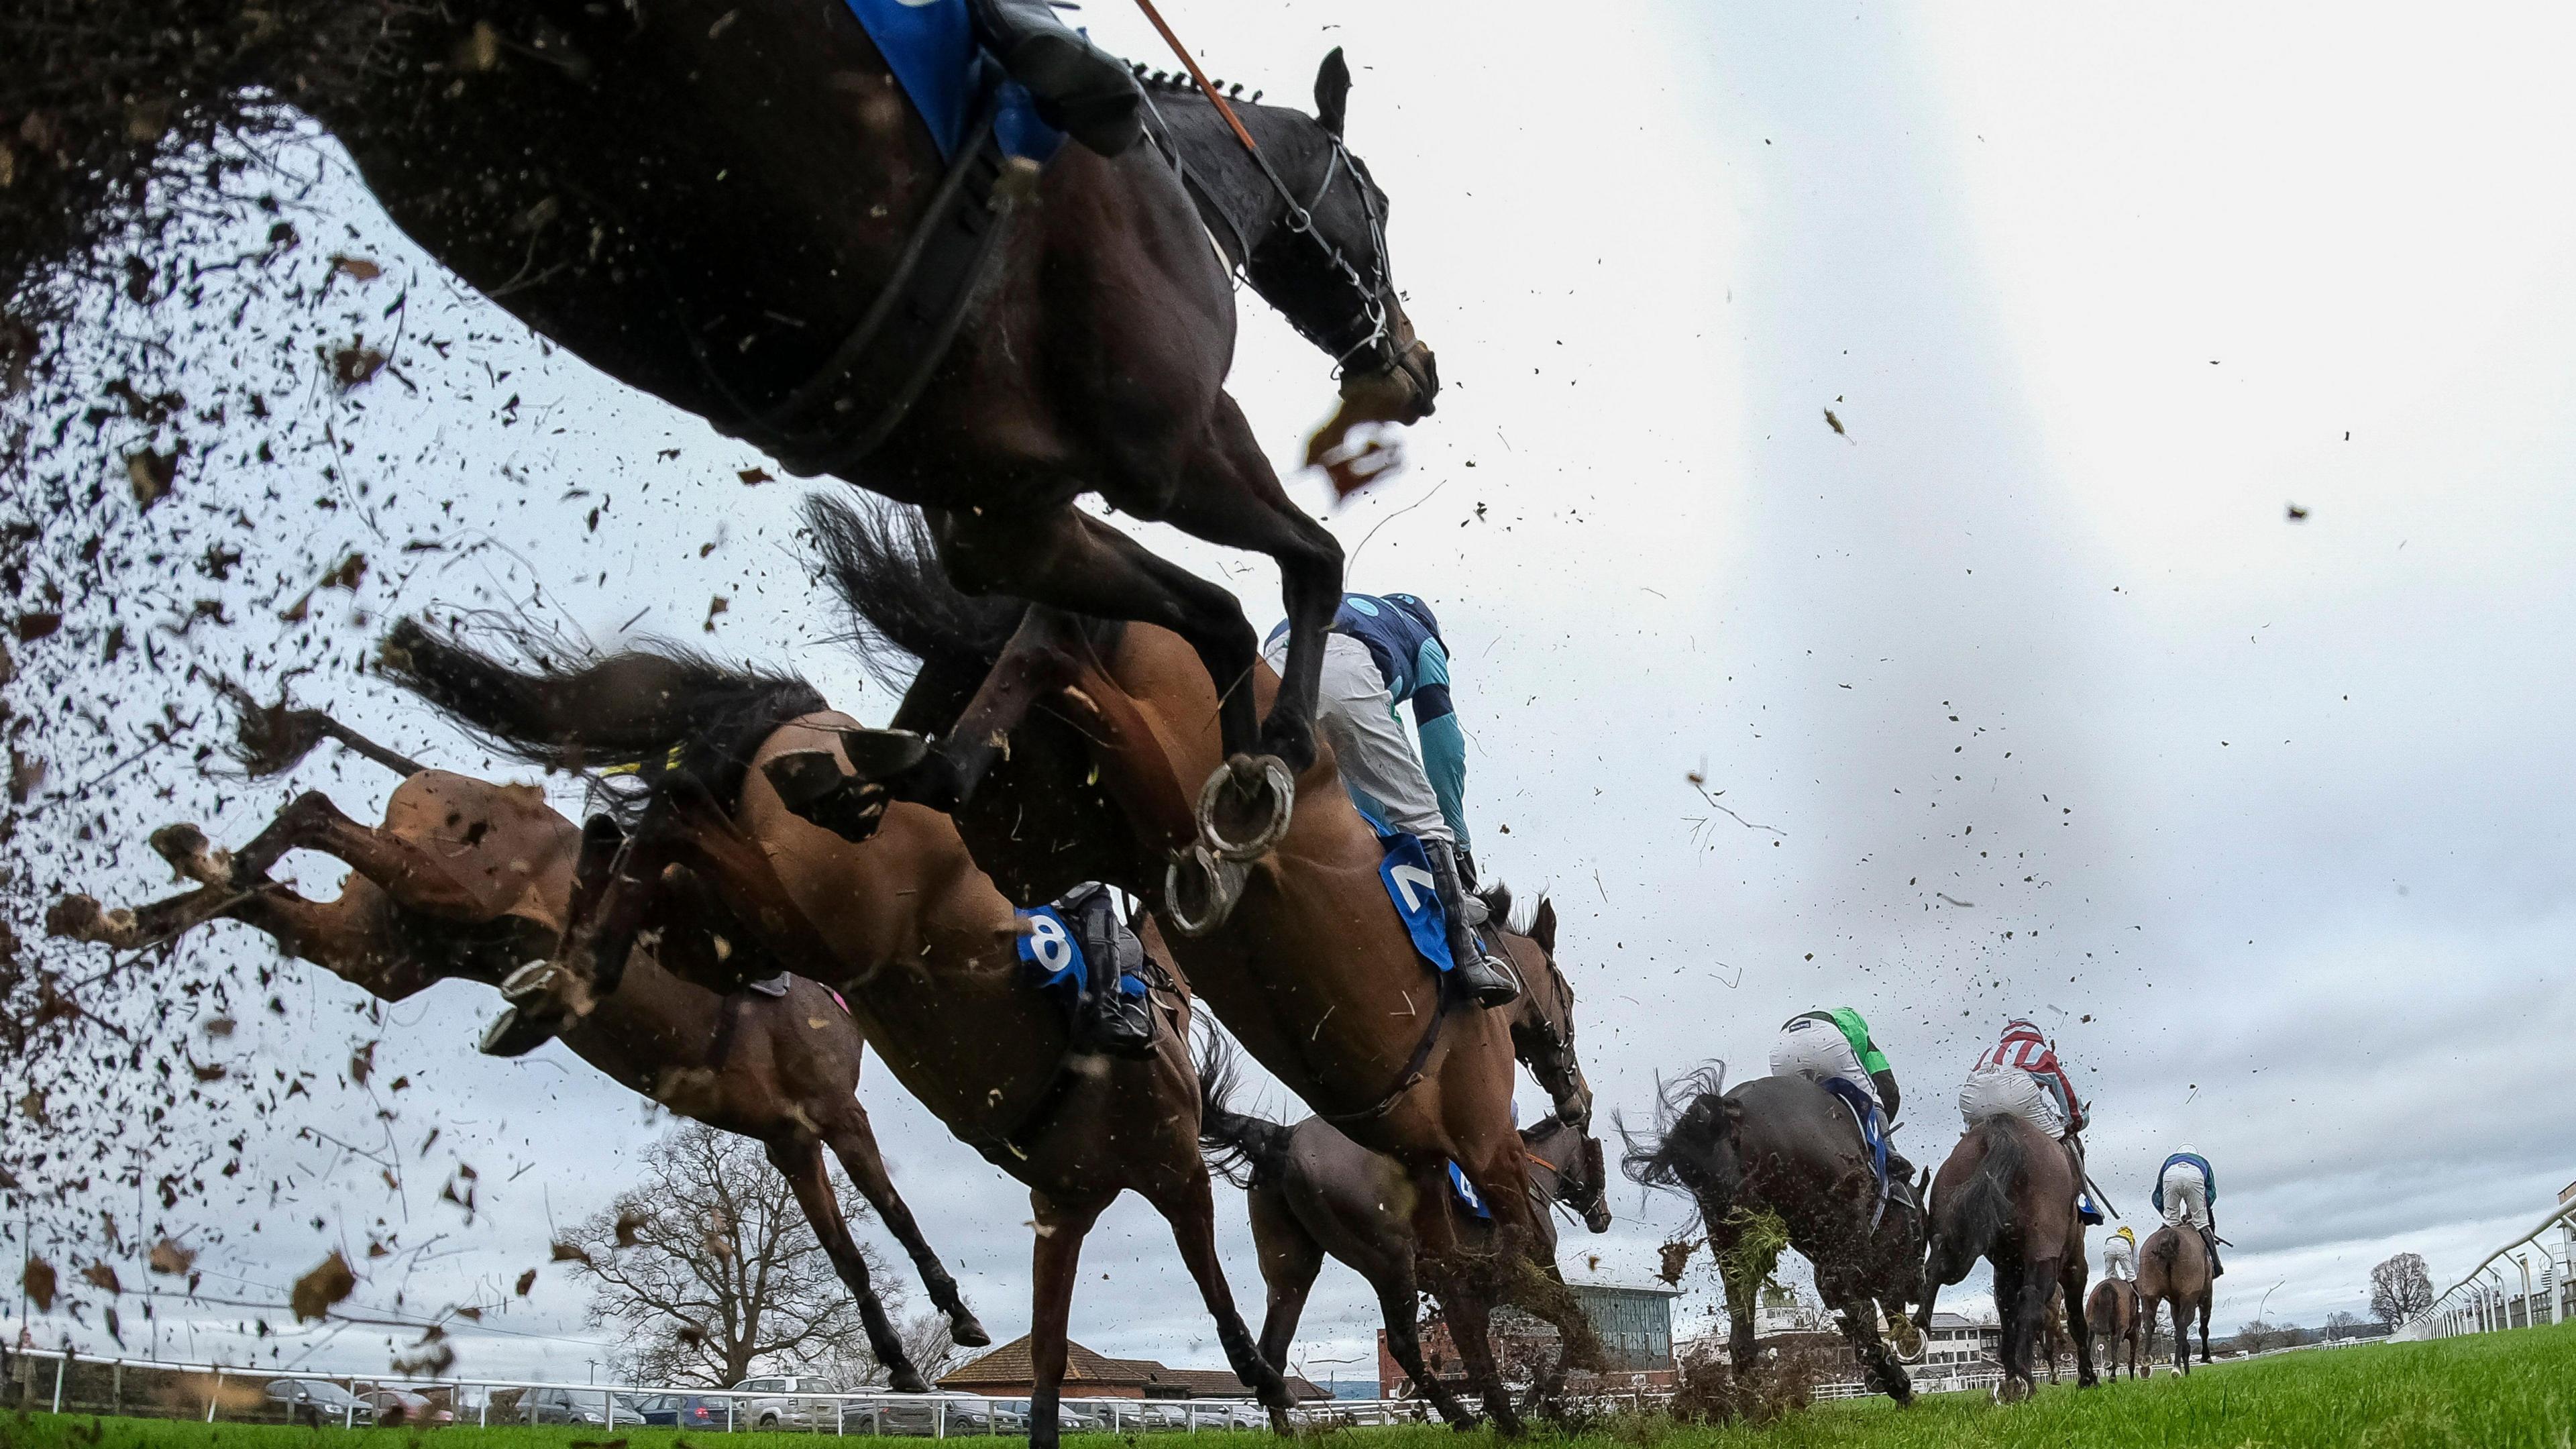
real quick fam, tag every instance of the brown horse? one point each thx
(1314, 1192)
(468, 880)
(2173, 1268)
(2115, 1320)
(721, 205)
(1108, 730)
(2007, 1194)
(920, 941)
(1788, 1148)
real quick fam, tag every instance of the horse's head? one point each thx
(1573, 1156)
(1542, 1020)
(1321, 258)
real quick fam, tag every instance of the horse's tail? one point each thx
(1241, 1148)
(1692, 1147)
(270, 739)
(1985, 1204)
(881, 561)
(657, 708)
(2164, 1253)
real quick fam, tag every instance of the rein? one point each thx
(1371, 290)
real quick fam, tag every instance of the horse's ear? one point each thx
(1333, 91)
(1543, 926)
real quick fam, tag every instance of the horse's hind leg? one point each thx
(1060, 1230)
(1399, 1302)
(416, 879)
(1191, 1210)
(1290, 1258)
(855, 1144)
(801, 1163)
(1467, 1310)
(1859, 1323)
(2205, 1298)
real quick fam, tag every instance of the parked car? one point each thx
(318, 1401)
(562, 1406)
(1068, 1419)
(402, 1406)
(774, 1402)
(964, 1414)
(678, 1411)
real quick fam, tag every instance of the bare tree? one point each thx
(2257, 1336)
(2344, 1323)
(708, 1267)
(2399, 1289)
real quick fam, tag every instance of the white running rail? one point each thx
(2486, 1300)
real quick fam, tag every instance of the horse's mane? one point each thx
(1180, 83)
(1686, 1110)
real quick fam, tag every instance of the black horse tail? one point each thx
(1243, 1149)
(2165, 1251)
(654, 710)
(901, 606)
(1692, 1147)
(1985, 1202)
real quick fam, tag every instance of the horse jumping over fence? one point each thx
(904, 925)
(466, 879)
(1785, 1147)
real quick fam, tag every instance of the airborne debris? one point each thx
(331, 1281)
(151, 475)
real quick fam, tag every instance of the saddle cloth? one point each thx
(930, 46)
(1466, 1194)
(1873, 1135)
(1051, 955)
(1405, 871)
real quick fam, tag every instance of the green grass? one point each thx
(2497, 1391)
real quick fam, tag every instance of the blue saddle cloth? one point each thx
(1466, 1194)
(930, 45)
(1873, 1135)
(1051, 958)
(1410, 888)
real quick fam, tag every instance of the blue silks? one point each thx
(931, 48)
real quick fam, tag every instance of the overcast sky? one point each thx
(2024, 693)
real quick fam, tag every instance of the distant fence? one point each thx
(2488, 1298)
(57, 1381)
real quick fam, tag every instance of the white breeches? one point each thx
(2009, 1092)
(2186, 1196)
(1369, 743)
(2119, 1261)
(1818, 1051)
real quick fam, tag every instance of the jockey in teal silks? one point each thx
(2186, 1192)
(1384, 651)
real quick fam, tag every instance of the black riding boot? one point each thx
(1078, 87)
(2209, 1242)
(1117, 1013)
(1489, 980)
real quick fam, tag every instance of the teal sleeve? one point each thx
(1444, 759)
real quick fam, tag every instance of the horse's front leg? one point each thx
(1060, 1231)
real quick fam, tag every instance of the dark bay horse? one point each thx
(469, 880)
(2113, 1316)
(1787, 1147)
(2007, 1194)
(713, 203)
(2173, 1269)
(1314, 1193)
(918, 939)
(1311, 970)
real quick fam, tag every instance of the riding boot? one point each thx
(2209, 1242)
(1117, 1012)
(1079, 88)
(1489, 979)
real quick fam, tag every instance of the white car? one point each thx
(774, 1402)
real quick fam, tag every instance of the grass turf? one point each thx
(2496, 1391)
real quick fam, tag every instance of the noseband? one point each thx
(1369, 319)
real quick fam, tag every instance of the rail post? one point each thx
(61, 1365)
(214, 1394)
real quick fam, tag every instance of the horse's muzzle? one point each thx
(1421, 370)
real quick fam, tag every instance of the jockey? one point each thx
(1117, 1012)
(1383, 651)
(1079, 88)
(2185, 1192)
(2120, 1257)
(1835, 1045)
(2021, 1077)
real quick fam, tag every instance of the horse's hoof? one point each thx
(967, 1331)
(191, 855)
(802, 777)
(883, 754)
(908, 1380)
(1246, 806)
(528, 982)
(1200, 890)
(515, 1034)
(77, 918)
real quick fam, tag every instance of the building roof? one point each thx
(1010, 1367)
(1942, 1318)
(1659, 1290)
